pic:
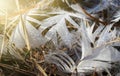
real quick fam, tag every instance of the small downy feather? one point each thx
(93, 58)
(18, 35)
(58, 24)
(116, 17)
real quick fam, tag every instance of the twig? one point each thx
(89, 15)
(108, 43)
(40, 68)
(17, 69)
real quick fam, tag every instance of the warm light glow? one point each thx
(8, 5)
(11, 7)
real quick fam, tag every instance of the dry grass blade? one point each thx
(109, 74)
(40, 68)
(25, 34)
(17, 69)
(18, 5)
(23, 27)
(89, 15)
(4, 33)
(59, 39)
